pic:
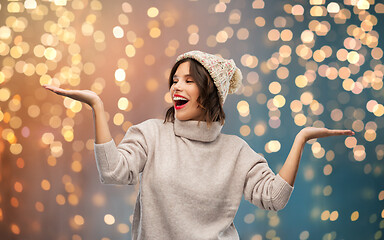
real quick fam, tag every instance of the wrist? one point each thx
(97, 105)
(301, 138)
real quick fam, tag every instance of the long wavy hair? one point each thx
(208, 100)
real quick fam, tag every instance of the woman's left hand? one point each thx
(309, 133)
(289, 170)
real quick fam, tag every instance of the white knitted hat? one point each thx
(226, 76)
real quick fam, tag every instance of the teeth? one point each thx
(179, 98)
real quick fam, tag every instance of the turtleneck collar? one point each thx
(194, 130)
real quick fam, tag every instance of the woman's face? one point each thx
(184, 93)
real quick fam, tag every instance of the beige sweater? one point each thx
(192, 179)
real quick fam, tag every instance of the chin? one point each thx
(188, 115)
(181, 118)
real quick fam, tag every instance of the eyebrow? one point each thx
(187, 75)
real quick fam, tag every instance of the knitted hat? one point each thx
(226, 76)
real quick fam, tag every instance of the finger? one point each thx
(349, 132)
(342, 132)
(56, 90)
(50, 87)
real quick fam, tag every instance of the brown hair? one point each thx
(208, 100)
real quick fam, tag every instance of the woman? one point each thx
(192, 176)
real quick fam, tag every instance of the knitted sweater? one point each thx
(192, 179)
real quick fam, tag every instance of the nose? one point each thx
(177, 86)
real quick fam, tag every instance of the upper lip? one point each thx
(177, 95)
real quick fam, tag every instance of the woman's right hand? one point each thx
(85, 96)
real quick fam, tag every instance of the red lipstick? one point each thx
(178, 107)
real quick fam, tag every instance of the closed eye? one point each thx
(189, 80)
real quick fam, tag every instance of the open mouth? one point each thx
(180, 101)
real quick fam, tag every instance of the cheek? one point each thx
(196, 93)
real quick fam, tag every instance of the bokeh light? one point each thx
(305, 63)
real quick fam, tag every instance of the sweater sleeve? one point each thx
(262, 187)
(122, 164)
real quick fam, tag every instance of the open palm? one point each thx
(85, 96)
(313, 132)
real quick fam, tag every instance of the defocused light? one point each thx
(274, 145)
(297, 10)
(260, 21)
(234, 16)
(109, 219)
(325, 215)
(78, 219)
(307, 36)
(127, 8)
(353, 57)
(354, 216)
(327, 191)
(118, 32)
(363, 4)
(327, 169)
(50, 53)
(18, 187)
(260, 129)
(60, 2)
(15, 7)
(279, 101)
(118, 119)
(60, 199)
(123, 228)
(334, 216)
(123, 103)
(16, 148)
(333, 7)
(15, 229)
(359, 152)
(45, 185)
(49, 42)
(243, 108)
(221, 37)
(152, 12)
(245, 130)
(5, 32)
(304, 235)
(87, 29)
(317, 2)
(76, 166)
(120, 75)
(242, 34)
(220, 7)
(47, 138)
(130, 50)
(39, 206)
(30, 4)
(318, 11)
(155, 32)
(350, 142)
(381, 195)
(300, 119)
(193, 39)
(274, 35)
